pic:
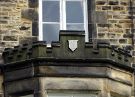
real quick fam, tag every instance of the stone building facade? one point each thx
(111, 20)
(65, 71)
(16, 20)
(108, 20)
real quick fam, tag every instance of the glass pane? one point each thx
(50, 32)
(58, 94)
(71, 95)
(51, 11)
(85, 95)
(74, 12)
(71, 26)
(27, 96)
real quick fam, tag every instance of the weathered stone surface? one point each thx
(16, 87)
(35, 28)
(24, 28)
(6, 9)
(3, 22)
(120, 75)
(128, 35)
(72, 83)
(101, 17)
(118, 8)
(84, 51)
(8, 1)
(27, 39)
(1, 60)
(12, 24)
(93, 30)
(115, 2)
(118, 25)
(91, 19)
(0, 37)
(33, 3)
(101, 35)
(8, 44)
(13, 8)
(104, 25)
(119, 15)
(107, 25)
(106, 8)
(125, 21)
(1, 51)
(123, 41)
(31, 14)
(125, 3)
(4, 18)
(114, 41)
(7, 4)
(111, 35)
(123, 90)
(127, 25)
(10, 38)
(112, 21)
(71, 70)
(101, 2)
(18, 74)
(1, 86)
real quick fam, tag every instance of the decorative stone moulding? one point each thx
(71, 46)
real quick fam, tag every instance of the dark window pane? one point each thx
(74, 12)
(51, 11)
(27, 96)
(72, 94)
(50, 32)
(71, 26)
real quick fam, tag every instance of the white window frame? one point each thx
(63, 17)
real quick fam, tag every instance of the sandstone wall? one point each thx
(113, 20)
(16, 20)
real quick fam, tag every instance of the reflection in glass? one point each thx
(51, 11)
(74, 12)
(50, 32)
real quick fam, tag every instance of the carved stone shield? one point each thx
(72, 44)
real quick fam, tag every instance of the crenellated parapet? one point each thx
(70, 64)
(71, 46)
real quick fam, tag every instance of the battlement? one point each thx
(71, 46)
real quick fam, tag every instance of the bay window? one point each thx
(56, 15)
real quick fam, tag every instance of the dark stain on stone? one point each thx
(24, 28)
